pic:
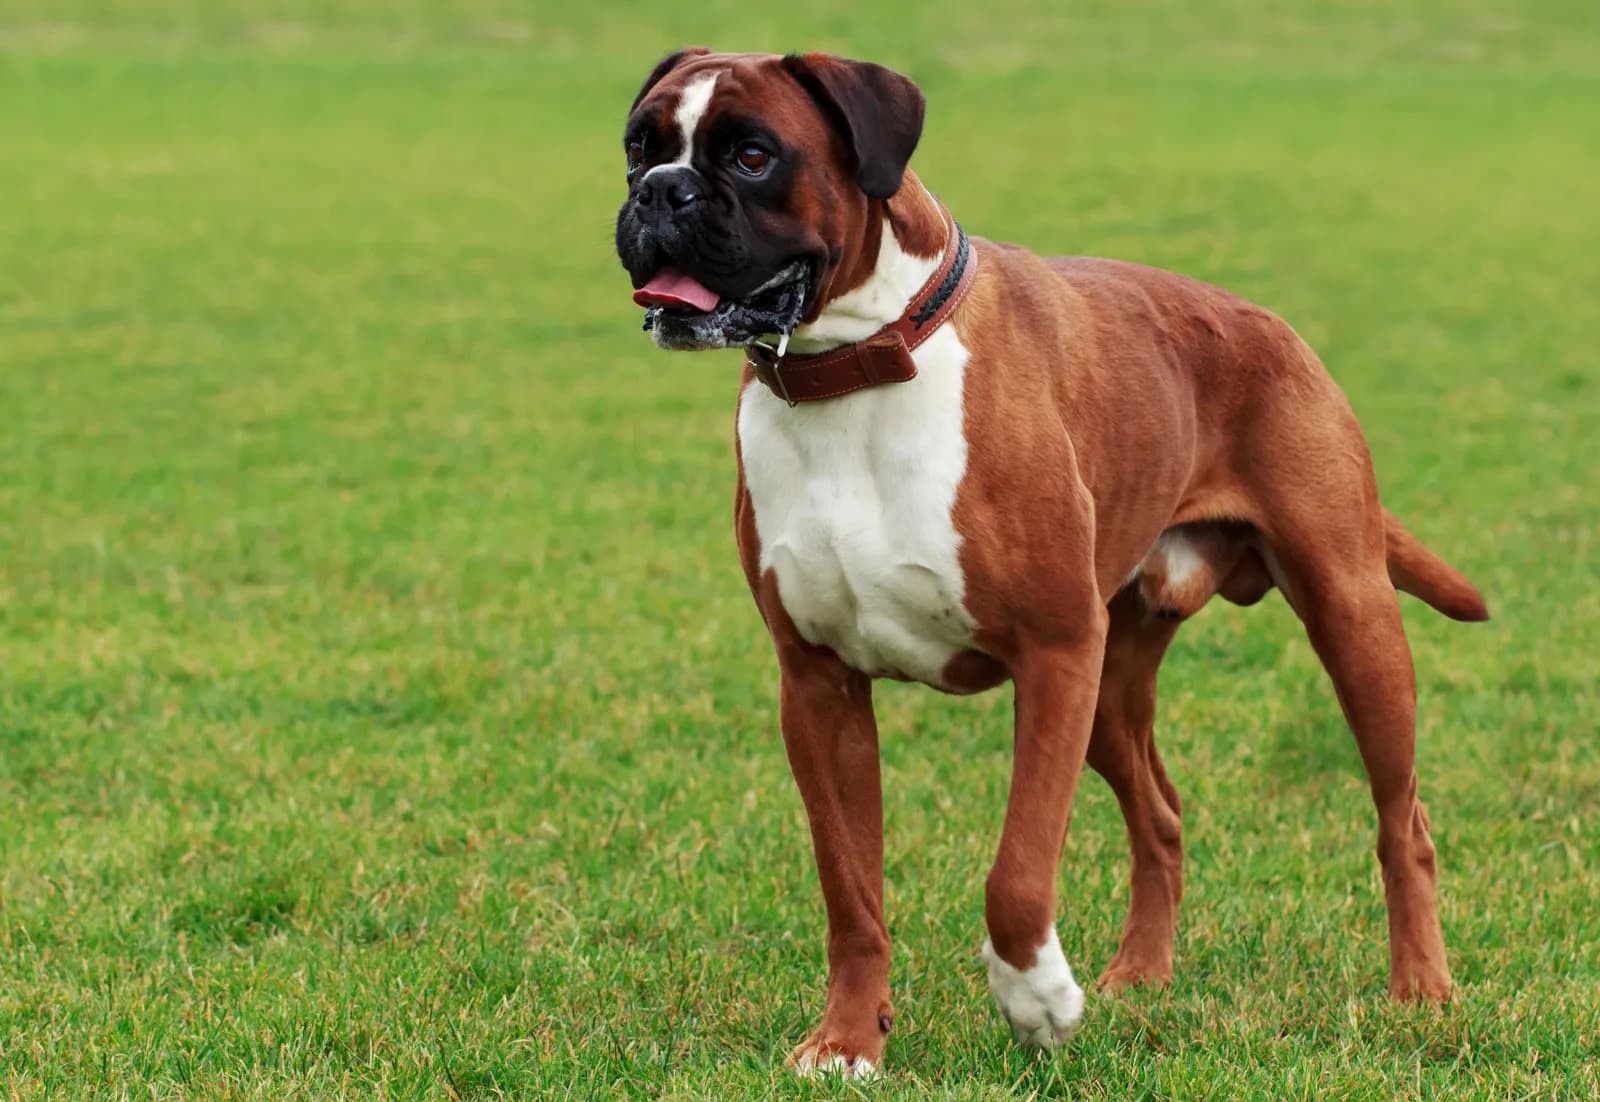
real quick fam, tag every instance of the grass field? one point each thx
(382, 712)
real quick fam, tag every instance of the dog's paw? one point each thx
(1421, 986)
(817, 1057)
(1044, 1004)
(1126, 972)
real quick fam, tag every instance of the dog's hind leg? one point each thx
(1122, 750)
(1328, 555)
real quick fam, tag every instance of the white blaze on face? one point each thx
(692, 104)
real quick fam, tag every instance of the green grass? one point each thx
(382, 712)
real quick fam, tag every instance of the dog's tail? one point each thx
(1417, 571)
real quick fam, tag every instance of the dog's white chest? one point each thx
(853, 500)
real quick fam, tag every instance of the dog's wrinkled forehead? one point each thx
(682, 101)
(678, 110)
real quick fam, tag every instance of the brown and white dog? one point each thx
(961, 463)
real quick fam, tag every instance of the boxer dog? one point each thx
(961, 464)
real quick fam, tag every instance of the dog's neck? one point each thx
(912, 234)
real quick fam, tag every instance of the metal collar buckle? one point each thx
(776, 370)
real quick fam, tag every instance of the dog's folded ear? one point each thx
(665, 66)
(876, 110)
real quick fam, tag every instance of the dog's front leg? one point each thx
(832, 739)
(1056, 688)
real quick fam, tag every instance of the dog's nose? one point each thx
(673, 187)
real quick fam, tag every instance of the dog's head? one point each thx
(751, 180)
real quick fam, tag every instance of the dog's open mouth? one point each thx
(681, 312)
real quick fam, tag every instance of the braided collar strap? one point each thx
(884, 357)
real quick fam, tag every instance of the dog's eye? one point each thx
(635, 153)
(752, 160)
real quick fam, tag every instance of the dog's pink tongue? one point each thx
(672, 287)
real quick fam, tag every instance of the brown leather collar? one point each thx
(884, 357)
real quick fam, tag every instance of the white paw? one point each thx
(1044, 1003)
(808, 1066)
